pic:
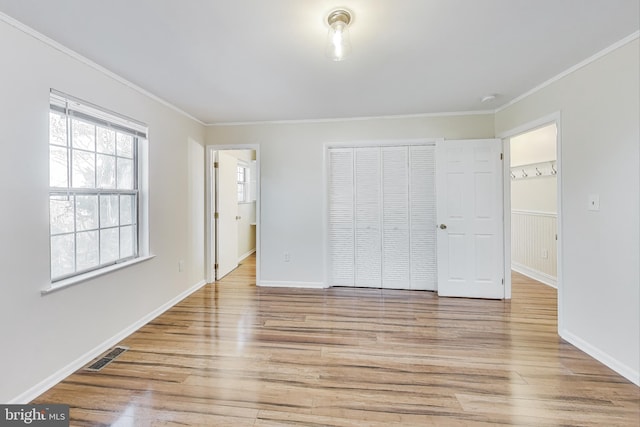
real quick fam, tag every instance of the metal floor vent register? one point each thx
(106, 359)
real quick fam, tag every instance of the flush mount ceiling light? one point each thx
(338, 44)
(488, 98)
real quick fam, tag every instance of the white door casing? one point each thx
(212, 186)
(470, 251)
(227, 209)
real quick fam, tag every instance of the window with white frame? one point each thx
(243, 183)
(93, 187)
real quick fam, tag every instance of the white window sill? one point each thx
(53, 287)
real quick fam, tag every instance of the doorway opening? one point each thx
(533, 208)
(534, 204)
(233, 209)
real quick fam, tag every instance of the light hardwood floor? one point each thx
(233, 354)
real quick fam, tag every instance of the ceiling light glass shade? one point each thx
(338, 43)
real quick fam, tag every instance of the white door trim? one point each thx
(380, 143)
(210, 199)
(506, 136)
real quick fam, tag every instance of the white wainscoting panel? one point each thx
(534, 245)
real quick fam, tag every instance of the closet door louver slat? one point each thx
(423, 218)
(341, 217)
(368, 244)
(395, 218)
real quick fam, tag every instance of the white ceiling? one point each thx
(258, 60)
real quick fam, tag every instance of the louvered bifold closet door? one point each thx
(382, 217)
(422, 202)
(368, 239)
(395, 218)
(341, 217)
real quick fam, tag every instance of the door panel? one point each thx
(422, 203)
(227, 208)
(395, 218)
(469, 204)
(368, 243)
(341, 217)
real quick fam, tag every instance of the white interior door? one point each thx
(469, 212)
(227, 210)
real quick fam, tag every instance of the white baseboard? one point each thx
(307, 285)
(628, 372)
(247, 255)
(535, 274)
(63, 373)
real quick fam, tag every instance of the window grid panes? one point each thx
(93, 198)
(243, 184)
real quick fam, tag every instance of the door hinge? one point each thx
(215, 266)
(215, 165)
(215, 215)
(503, 281)
(501, 156)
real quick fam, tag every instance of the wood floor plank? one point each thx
(239, 355)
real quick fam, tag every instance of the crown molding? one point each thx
(354, 119)
(631, 37)
(78, 57)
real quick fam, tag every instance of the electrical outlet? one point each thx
(286, 257)
(594, 202)
(180, 266)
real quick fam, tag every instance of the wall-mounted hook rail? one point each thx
(534, 170)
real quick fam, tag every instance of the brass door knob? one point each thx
(443, 226)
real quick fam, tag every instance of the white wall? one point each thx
(292, 181)
(44, 337)
(196, 214)
(538, 194)
(600, 134)
(246, 231)
(538, 145)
